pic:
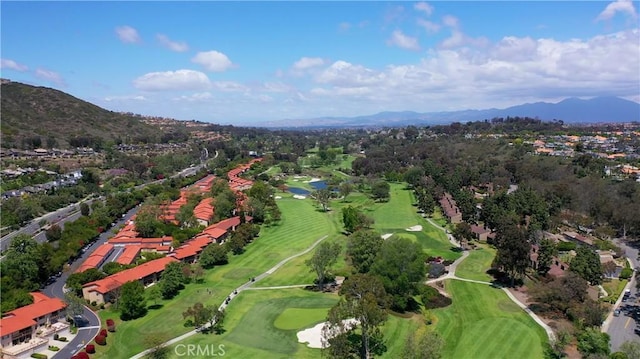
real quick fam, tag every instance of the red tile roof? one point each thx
(130, 253)
(26, 316)
(204, 210)
(96, 258)
(116, 280)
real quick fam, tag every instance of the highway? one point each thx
(621, 328)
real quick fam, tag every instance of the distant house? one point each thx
(105, 290)
(481, 233)
(578, 238)
(203, 211)
(27, 330)
(450, 208)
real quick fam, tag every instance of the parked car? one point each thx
(616, 313)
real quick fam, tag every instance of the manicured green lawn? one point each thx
(264, 323)
(301, 225)
(483, 322)
(475, 266)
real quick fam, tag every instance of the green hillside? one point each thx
(44, 117)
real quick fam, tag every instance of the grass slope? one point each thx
(261, 324)
(483, 322)
(475, 266)
(301, 225)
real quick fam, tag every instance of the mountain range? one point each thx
(572, 110)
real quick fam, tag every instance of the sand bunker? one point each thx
(386, 235)
(313, 335)
(297, 196)
(417, 228)
(315, 180)
(277, 197)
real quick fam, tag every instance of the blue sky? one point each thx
(252, 63)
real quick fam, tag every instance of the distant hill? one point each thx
(571, 110)
(31, 114)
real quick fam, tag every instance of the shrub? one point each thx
(100, 340)
(93, 304)
(565, 246)
(82, 355)
(90, 349)
(111, 325)
(53, 348)
(62, 339)
(626, 273)
(39, 356)
(103, 332)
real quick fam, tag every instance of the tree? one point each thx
(172, 280)
(380, 190)
(325, 255)
(158, 348)
(631, 349)
(197, 272)
(462, 232)
(323, 196)
(217, 321)
(364, 299)
(345, 189)
(213, 254)
(413, 176)
(513, 251)
(546, 251)
(401, 266)
(557, 346)
(84, 209)
(132, 303)
(423, 344)
(354, 220)
(75, 304)
(199, 313)
(147, 223)
(586, 264)
(363, 247)
(154, 294)
(592, 341)
(54, 233)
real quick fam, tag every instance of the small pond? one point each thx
(299, 191)
(318, 184)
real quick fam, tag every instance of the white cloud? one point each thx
(10, 64)
(430, 26)
(403, 41)
(176, 46)
(50, 76)
(622, 6)
(424, 7)
(213, 61)
(511, 71)
(196, 97)
(276, 87)
(173, 80)
(229, 86)
(125, 98)
(128, 34)
(450, 21)
(345, 74)
(308, 62)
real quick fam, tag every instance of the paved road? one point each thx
(56, 289)
(621, 329)
(33, 227)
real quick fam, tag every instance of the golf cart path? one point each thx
(236, 292)
(451, 274)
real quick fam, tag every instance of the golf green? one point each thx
(299, 318)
